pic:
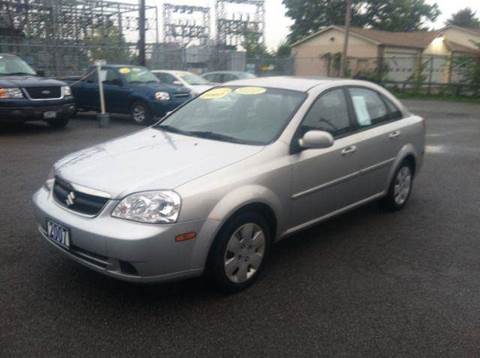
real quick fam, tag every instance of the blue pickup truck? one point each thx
(130, 90)
(25, 96)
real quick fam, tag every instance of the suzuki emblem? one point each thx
(70, 199)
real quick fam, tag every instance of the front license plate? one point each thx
(58, 233)
(49, 115)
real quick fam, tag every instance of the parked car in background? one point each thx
(226, 76)
(26, 96)
(130, 90)
(194, 82)
(213, 185)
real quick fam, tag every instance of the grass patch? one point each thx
(436, 97)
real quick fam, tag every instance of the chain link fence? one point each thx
(456, 75)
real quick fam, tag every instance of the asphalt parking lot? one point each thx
(364, 284)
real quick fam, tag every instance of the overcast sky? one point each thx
(278, 23)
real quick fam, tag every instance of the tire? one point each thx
(400, 188)
(141, 113)
(58, 123)
(239, 252)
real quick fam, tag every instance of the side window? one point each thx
(329, 113)
(393, 112)
(228, 77)
(165, 78)
(210, 78)
(112, 77)
(92, 78)
(369, 107)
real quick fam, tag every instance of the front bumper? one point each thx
(30, 111)
(127, 250)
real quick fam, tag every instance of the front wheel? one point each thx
(400, 188)
(141, 114)
(239, 252)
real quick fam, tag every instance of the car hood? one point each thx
(149, 160)
(28, 81)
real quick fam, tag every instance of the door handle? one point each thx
(394, 134)
(349, 150)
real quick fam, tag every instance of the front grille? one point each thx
(44, 92)
(77, 201)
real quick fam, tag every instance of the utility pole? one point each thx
(141, 29)
(348, 20)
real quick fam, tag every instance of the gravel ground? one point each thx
(364, 284)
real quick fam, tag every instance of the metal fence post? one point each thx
(103, 117)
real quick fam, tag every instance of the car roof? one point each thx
(302, 84)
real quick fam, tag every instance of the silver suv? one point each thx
(210, 187)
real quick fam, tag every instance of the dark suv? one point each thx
(25, 96)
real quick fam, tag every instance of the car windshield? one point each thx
(13, 65)
(246, 75)
(138, 75)
(248, 115)
(193, 79)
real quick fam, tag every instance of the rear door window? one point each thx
(369, 107)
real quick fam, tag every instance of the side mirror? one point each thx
(40, 73)
(316, 140)
(177, 83)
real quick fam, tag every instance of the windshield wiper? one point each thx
(168, 128)
(18, 74)
(202, 134)
(217, 136)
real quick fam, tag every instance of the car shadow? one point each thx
(318, 241)
(28, 128)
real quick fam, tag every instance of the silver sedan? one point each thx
(213, 185)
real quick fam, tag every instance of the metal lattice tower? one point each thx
(67, 20)
(232, 25)
(183, 24)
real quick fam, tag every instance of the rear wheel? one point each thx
(400, 188)
(239, 252)
(141, 114)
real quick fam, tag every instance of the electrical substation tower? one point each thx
(237, 18)
(184, 24)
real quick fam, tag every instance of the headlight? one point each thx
(67, 91)
(50, 180)
(9, 93)
(153, 207)
(162, 96)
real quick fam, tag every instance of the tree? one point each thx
(311, 16)
(253, 46)
(283, 50)
(465, 18)
(108, 43)
(392, 15)
(399, 15)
